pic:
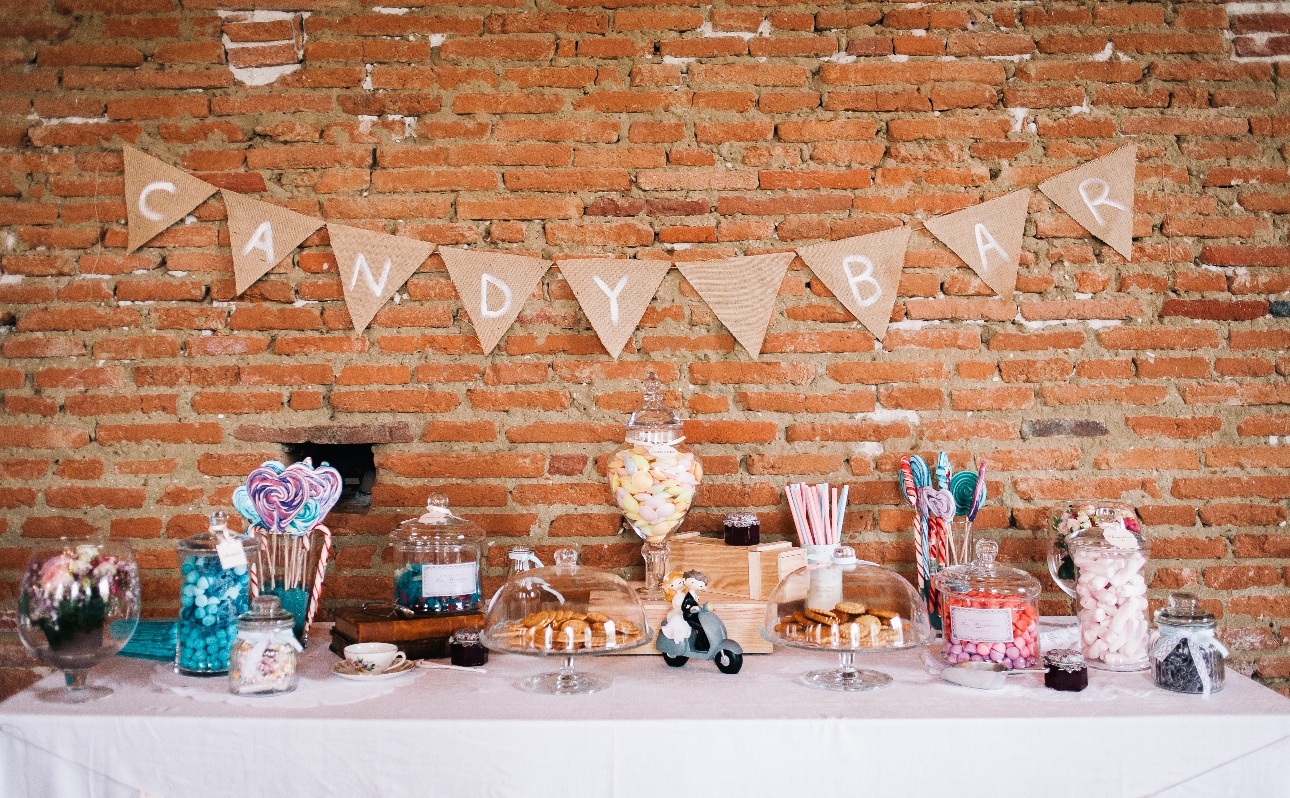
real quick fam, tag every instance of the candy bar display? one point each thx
(846, 606)
(437, 557)
(990, 611)
(1112, 593)
(569, 610)
(653, 479)
(265, 654)
(1185, 655)
(215, 590)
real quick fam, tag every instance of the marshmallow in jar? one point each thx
(654, 477)
(990, 612)
(1111, 593)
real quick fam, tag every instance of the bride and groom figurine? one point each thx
(691, 630)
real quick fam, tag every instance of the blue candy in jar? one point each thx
(438, 557)
(211, 598)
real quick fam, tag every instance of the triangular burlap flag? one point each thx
(372, 267)
(156, 196)
(1099, 195)
(493, 287)
(741, 291)
(262, 235)
(988, 237)
(863, 272)
(614, 294)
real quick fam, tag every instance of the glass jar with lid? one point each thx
(266, 653)
(1069, 521)
(215, 589)
(989, 612)
(437, 558)
(1111, 591)
(653, 477)
(566, 610)
(847, 606)
(1185, 655)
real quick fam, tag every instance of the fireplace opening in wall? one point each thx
(355, 462)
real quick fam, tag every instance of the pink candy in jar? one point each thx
(989, 612)
(1111, 593)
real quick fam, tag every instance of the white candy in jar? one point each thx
(1112, 598)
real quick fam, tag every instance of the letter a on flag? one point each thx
(1099, 195)
(493, 287)
(262, 235)
(372, 267)
(863, 272)
(988, 238)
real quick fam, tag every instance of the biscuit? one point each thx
(825, 617)
(850, 607)
(597, 617)
(885, 615)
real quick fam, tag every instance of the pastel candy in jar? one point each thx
(654, 487)
(1112, 595)
(990, 611)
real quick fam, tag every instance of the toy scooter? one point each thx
(705, 628)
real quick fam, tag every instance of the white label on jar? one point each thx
(231, 554)
(456, 579)
(979, 625)
(1115, 533)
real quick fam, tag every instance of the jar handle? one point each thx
(1059, 560)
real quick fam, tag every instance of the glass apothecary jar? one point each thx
(846, 606)
(654, 477)
(566, 610)
(215, 590)
(437, 557)
(265, 653)
(1111, 595)
(989, 612)
(1185, 655)
(1068, 521)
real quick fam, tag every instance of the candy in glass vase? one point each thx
(653, 478)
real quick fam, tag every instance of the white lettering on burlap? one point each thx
(486, 279)
(377, 287)
(1103, 200)
(865, 276)
(160, 185)
(262, 239)
(985, 242)
(613, 296)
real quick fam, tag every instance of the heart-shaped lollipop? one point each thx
(325, 485)
(277, 495)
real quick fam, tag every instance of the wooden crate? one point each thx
(744, 571)
(741, 616)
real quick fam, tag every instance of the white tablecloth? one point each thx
(657, 730)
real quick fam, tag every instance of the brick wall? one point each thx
(138, 390)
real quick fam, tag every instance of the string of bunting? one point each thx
(863, 272)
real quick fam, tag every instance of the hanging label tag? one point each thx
(1118, 535)
(231, 554)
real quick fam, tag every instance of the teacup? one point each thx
(374, 657)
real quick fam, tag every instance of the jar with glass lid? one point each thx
(266, 653)
(1185, 655)
(215, 589)
(1111, 590)
(653, 477)
(990, 612)
(437, 558)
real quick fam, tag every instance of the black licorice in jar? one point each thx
(742, 529)
(1186, 657)
(465, 649)
(1066, 670)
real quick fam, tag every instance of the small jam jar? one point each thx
(990, 612)
(1066, 670)
(465, 649)
(742, 529)
(437, 555)
(266, 653)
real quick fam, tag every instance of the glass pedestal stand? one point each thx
(565, 681)
(655, 556)
(77, 691)
(846, 678)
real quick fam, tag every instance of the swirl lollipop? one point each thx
(277, 495)
(963, 486)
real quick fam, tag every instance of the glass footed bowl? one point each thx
(847, 606)
(566, 610)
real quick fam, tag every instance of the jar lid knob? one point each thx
(1182, 603)
(218, 521)
(986, 552)
(653, 397)
(267, 605)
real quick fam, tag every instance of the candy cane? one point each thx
(315, 595)
(253, 569)
(911, 495)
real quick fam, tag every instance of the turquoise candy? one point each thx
(209, 604)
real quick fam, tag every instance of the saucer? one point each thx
(345, 670)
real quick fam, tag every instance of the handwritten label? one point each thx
(231, 554)
(455, 579)
(1118, 535)
(980, 625)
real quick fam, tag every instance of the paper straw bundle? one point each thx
(817, 511)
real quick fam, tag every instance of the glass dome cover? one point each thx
(435, 527)
(565, 610)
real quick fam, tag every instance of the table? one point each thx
(657, 730)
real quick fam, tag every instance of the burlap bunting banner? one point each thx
(372, 267)
(614, 294)
(493, 287)
(741, 291)
(988, 238)
(156, 196)
(262, 235)
(863, 272)
(1099, 195)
